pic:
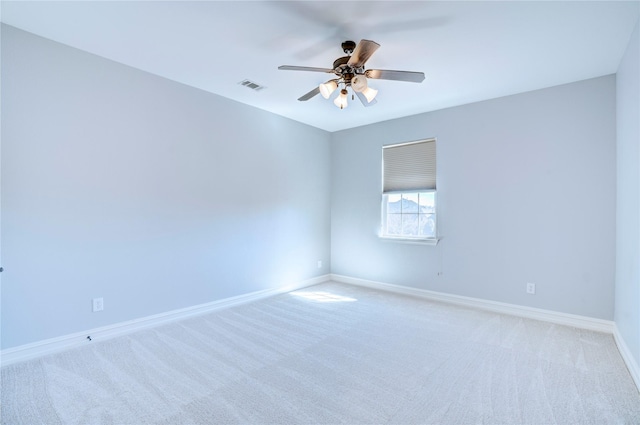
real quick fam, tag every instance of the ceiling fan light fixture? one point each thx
(359, 83)
(370, 93)
(351, 72)
(327, 88)
(341, 101)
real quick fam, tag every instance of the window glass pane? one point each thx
(427, 202)
(410, 203)
(410, 224)
(428, 225)
(394, 203)
(394, 224)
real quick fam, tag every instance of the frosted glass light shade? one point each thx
(370, 93)
(327, 88)
(341, 101)
(359, 83)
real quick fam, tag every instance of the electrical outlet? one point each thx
(319, 264)
(98, 304)
(531, 288)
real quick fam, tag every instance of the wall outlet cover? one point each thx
(98, 304)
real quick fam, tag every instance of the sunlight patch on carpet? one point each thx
(322, 296)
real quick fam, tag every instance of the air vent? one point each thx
(250, 84)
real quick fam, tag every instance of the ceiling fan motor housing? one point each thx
(343, 70)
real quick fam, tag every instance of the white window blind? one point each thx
(409, 166)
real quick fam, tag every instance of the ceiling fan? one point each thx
(351, 72)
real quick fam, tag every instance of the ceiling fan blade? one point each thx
(362, 53)
(309, 95)
(364, 100)
(385, 74)
(303, 68)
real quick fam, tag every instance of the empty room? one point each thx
(320, 212)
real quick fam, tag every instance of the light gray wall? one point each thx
(157, 196)
(627, 289)
(526, 194)
(154, 195)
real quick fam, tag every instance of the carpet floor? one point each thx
(331, 354)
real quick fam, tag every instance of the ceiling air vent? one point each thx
(250, 84)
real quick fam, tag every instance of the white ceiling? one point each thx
(469, 51)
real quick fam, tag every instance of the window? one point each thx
(410, 214)
(409, 191)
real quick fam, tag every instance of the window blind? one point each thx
(409, 166)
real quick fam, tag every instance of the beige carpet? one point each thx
(332, 354)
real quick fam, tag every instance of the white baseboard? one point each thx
(631, 363)
(65, 342)
(573, 320)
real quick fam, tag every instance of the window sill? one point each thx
(414, 241)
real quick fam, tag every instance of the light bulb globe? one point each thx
(341, 101)
(327, 88)
(359, 83)
(370, 93)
